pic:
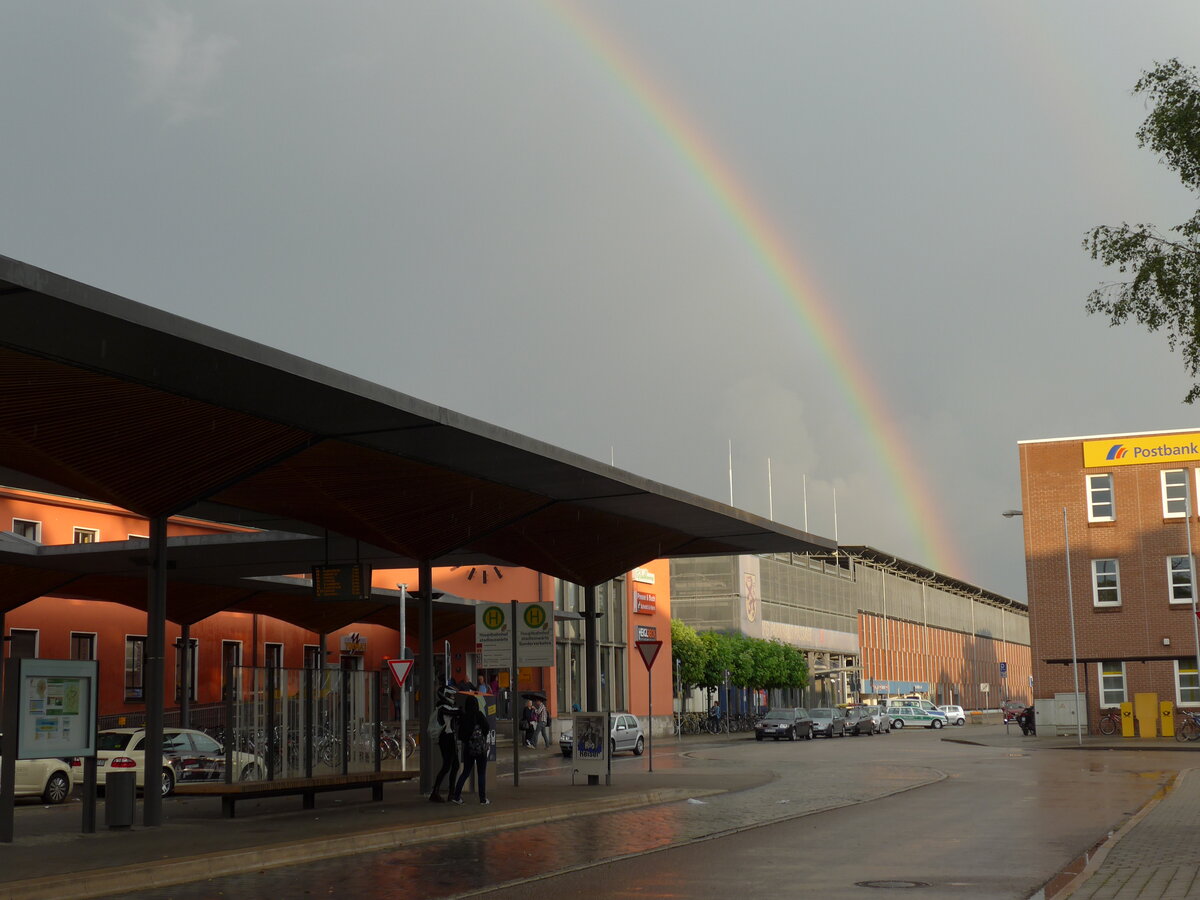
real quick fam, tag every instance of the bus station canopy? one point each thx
(111, 400)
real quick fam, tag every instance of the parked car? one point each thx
(828, 722)
(954, 715)
(859, 720)
(903, 716)
(49, 779)
(793, 723)
(1012, 709)
(883, 725)
(625, 733)
(188, 755)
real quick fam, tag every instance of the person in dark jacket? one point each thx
(447, 720)
(473, 718)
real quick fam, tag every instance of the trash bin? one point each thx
(120, 790)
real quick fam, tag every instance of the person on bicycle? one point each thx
(1026, 720)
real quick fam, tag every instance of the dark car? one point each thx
(828, 722)
(792, 723)
(860, 721)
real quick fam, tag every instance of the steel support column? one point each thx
(428, 687)
(152, 668)
(591, 656)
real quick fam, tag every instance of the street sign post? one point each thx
(649, 651)
(400, 669)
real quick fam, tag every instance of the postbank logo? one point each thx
(1142, 450)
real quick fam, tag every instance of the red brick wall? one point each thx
(1053, 477)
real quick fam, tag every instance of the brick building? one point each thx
(1122, 503)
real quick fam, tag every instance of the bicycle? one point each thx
(1188, 729)
(1110, 721)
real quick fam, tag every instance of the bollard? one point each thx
(120, 790)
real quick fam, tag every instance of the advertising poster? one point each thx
(57, 708)
(591, 743)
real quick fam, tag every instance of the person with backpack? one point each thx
(443, 725)
(476, 735)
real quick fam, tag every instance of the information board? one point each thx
(351, 581)
(535, 634)
(493, 635)
(57, 713)
(590, 732)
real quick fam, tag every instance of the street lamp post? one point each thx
(1008, 514)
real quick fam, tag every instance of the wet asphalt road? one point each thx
(986, 822)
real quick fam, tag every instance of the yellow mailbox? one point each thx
(1166, 718)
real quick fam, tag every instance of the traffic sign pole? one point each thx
(649, 651)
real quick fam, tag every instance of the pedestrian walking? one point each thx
(529, 722)
(477, 741)
(445, 722)
(542, 727)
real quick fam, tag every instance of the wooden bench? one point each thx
(308, 788)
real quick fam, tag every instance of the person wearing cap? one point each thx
(447, 721)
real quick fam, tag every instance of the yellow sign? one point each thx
(535, 616)
(1137, 451)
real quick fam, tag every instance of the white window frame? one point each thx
(12, 634)
(1105, 701)
(1171, 570)
(268, 646)
(95, 642)
(1116, 573)
(1193, 690)
(1167, 500)
(1092, 489)
(37, 528)
(77, 533)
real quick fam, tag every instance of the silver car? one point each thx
(625, 734)
(828, 722)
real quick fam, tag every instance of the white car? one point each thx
(49, 779)
(188, 755)
(955, 714)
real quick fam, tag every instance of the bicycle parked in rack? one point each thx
(1188, 726)
(1110, 721)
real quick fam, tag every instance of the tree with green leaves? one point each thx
(1162, 287)
(690, 651)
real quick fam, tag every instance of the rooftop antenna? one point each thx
(731, 472)
(835, 530)
(804, 486)
(770, 493)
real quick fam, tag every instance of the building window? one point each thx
(1112, 683)
(135, 667)
(273, 656)
(193, 670)
(23, 643)
(1187, 685)
(1179, 574)
(86, 535)
(1106, 582)
(83, 646)
(27, 529)
(1100, 498)
(312, 656)
(1174, 493)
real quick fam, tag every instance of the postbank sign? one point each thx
(1136, 451)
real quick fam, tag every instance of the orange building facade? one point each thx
(65, 627)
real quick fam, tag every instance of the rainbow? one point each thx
(765, 240)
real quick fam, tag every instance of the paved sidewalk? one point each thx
(1155, 855)
(51, 858)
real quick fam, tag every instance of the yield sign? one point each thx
(649, 650)
(400, 669)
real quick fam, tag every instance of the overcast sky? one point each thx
(618, 227)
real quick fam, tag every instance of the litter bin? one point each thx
(120, 789)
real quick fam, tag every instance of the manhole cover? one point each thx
(892, 884)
